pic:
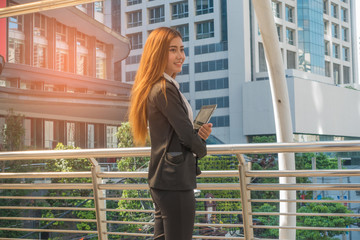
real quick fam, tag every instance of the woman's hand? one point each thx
(205, 130)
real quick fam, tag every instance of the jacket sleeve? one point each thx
(174, 110)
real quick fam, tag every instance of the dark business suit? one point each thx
(172, 178)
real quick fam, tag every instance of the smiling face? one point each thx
(176, 57)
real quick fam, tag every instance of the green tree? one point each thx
(316, 221)
(12, 134)
(125, 164)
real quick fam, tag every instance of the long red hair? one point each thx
(151, 68)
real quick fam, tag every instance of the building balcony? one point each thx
(102, 204)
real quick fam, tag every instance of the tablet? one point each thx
(204, 115)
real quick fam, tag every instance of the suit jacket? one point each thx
(171, 131)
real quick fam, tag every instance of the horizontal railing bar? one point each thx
(144, 186)
(306, 228)
(228, 149)
(152, 211)
(306, 214)
(48, 219)
(304, 201)
(125, 199)
(46, 175)
(33, 186)
(150, 235)
(46, 230)
(215, 237)
(227, 173)
(46, 197)
(299, 187)
(196, 224)
(47, 208)
(304, 173)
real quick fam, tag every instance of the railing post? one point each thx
(245, 197)
(99, 204)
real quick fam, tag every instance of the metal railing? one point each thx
(99, 185)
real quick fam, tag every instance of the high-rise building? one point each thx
(59, 74)
(226, 63)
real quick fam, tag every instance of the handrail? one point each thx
(225, 149)
(99, 185)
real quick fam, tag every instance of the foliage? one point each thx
(12, 135)
(132, 164)
(13, 131)
(68, 165)
(318, 221)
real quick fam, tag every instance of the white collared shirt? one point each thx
(190, 112)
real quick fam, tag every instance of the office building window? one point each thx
(49, 134)
(16, 43)
(344, 14)
(345, 34)
(289, 13)
(336, 51)
(209, 66)
(133, 59)
(185, 69)
(346, 74)
(61, 60)
(212, 84)
(90, 135)
(62, 48)
(184, 87)
(27, 134)
(40, 55)
(70, 134)
(336, 73)
(156, 14)
(180, 10)
(184, 30)
(327, 48)
(334, 10)
(326, 27)
(220, 121)
(279, 32)
(82, 59)
(39, 25)
(130, 76)
(100, 60)
(16, 23)
(205, 30)
(345, 56)
(276, 7)
(262, 59)
(82, 64)
(16, 51)
(327, 69)
(133, 2)
(134, 19)
(335, 30)
(291, 59)
(211, 48)
(99, 6)
(222, 102)
(111, 139)
(290, 36)
(325, 7)
(204, 6)
(136, 40)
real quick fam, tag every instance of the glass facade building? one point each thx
(311, 36)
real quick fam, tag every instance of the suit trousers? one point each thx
(174, 214)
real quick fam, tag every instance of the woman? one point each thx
(175, 145)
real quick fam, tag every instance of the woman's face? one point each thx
(176, 56)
